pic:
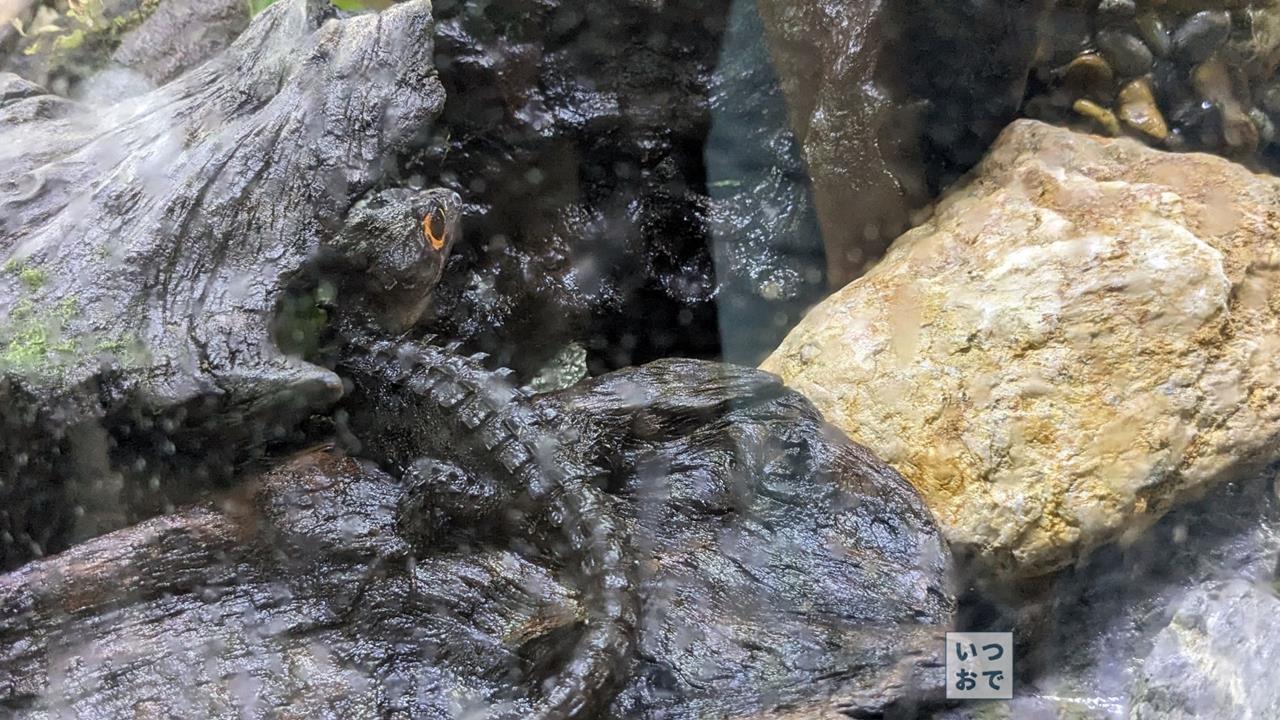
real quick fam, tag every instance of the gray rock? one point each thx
(1202, 33)
(1083, 638)
(1155, 34)
(1113, 10)
(180, 35)
(779, 567)
(1128, 55)
(146, 245)
(157, 39)
(1216, 660)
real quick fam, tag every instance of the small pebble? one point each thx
(1239, 132)
(1171, 83)
(1117, 9)
(1137, 108)
(1154, 34)
(1128, 55)
(1196, 125)
(1212, 80)
(1098, 114)
(1201, 34)
(1090, 75)
(1271, 98)
(1266, 128)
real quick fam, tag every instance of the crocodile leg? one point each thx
(423, 399)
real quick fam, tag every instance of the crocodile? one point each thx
(504, 477)
(472, 451)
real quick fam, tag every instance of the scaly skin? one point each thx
(410, 399)
(425, 399)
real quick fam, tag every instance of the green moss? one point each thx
(33, 343)
(70, 41)
(257, 6)
(27, 348)
(23, 310)
(67, 308)
(301, 322)
(33, 278)
(114, 346)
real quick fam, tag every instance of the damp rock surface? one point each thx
(145, 247)
(68, 49)
(1081, 338)
(1216, 658)
(891, 101)
(759, 536)
(784, 570)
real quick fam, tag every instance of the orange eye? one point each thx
(436, 229)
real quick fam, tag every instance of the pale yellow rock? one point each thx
(1084, 335)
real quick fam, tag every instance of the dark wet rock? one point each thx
(769, 258)
(147, 245)
(760, 531)
(180, 35)
(575, 131)
(1171, 82)
(760, 537)
(632, 186)
(893, 101)
(1088, 75)
(1155, 34)
(1196, 38)
(154, 39)
(295, 592)
(1216, 660)
(1127, 54)
(1117, 10)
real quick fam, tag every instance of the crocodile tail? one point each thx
(432, 400)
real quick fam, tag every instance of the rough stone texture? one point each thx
(1082, 636)
(153, 40)
(1083, 336)
(1217, 658)
(891, 101)
(782, 571)
(145, 247)
(180, 35)
(576, 131)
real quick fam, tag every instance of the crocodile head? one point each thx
(391, 252)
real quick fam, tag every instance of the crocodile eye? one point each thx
(436, 229)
